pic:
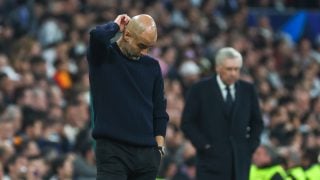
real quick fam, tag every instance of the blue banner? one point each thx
(297, 24)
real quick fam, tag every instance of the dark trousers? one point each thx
(119, 161)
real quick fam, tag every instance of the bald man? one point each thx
(128, 106)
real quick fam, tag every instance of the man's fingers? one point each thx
(125, 19)
(122, 20)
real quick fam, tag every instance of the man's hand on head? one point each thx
(122, 20)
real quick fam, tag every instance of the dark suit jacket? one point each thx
(232, 140)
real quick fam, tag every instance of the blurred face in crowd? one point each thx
(66, 171)
(40, 101)
(32, 149)
(7, 86)
(1, 170)
(36, 169)
(18, 169)
(75, 116)
(229, 70)
(6, 130)
(261, 157)
(35, 130)
(26, 99)
(140, 34)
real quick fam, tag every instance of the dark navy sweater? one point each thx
(127, 95)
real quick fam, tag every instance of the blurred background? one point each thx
(44, 87)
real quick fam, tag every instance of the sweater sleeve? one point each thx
(160, 116)
(100, 38)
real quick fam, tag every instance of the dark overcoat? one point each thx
(232, 137)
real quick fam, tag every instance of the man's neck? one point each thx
(120, 44)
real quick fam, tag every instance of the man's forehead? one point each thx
(232, 62)
(148, 39)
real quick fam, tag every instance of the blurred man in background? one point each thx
(222, 119)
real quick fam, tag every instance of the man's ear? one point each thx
(126, 35)
(217, 68)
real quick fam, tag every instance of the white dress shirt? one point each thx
(223, 89)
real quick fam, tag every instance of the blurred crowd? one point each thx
(44, 87)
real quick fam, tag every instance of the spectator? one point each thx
(17, 167)
(37, 168)
(266, 164)
(62, 168)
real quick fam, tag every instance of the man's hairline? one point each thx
(221, 62)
